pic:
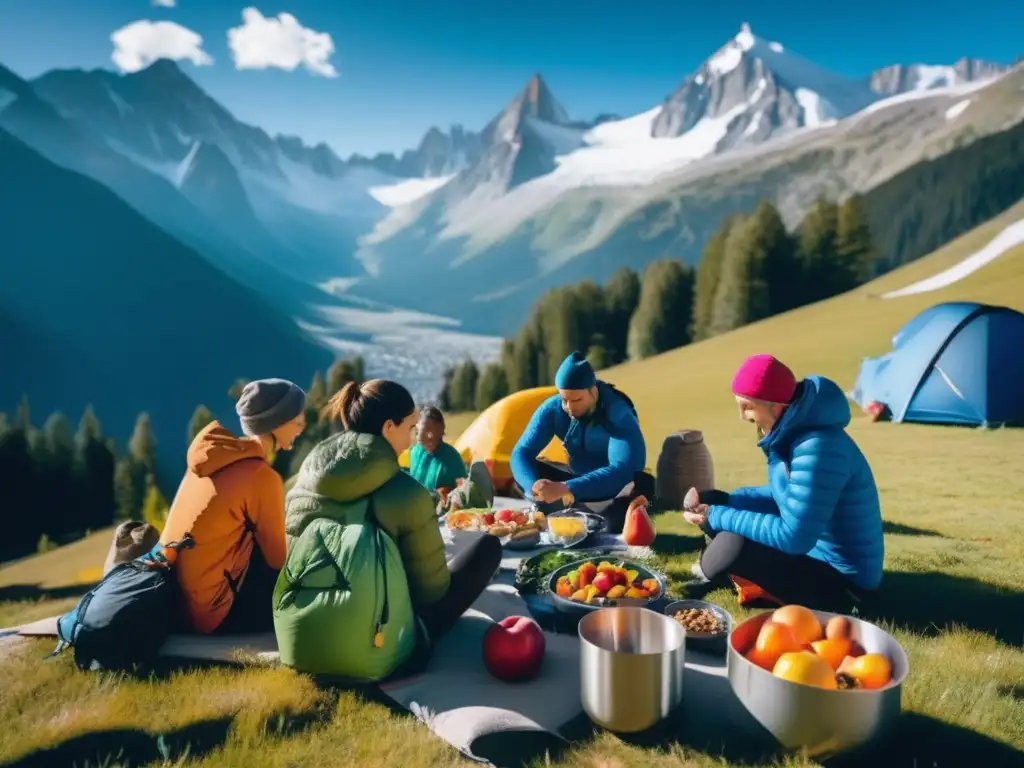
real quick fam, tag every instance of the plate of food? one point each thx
(533, 572)
(517, 529)
(602, 582)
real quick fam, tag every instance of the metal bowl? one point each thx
(581, 609)
(703, 641)
(802, 717)
(632, 662)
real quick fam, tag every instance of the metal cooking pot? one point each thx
(822, 721)
(631, 667)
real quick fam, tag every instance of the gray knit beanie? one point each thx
(267, 404)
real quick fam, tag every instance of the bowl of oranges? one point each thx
(817, 681)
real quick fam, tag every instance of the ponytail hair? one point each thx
(367, 407)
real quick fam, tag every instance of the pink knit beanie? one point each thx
(763, 377)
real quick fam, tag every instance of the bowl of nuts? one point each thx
(706, 624)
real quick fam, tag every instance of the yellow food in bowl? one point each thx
(566, 527)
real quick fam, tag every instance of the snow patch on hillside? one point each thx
(1009, 238)
(405, 191)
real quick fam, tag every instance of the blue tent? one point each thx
(955, 363)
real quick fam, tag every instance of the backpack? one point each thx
(121, 623)
(615, 390)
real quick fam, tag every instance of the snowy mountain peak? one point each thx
(745, 38)
(537, 101)
(905, 78)
(752, 89)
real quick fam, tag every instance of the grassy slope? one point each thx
(953, 500)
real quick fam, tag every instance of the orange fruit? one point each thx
(806, 668)
(652, 586)
(832, 650)
(762, 659)
(802, 621)
(563, 587)
(872, 670)
(773, 640)
(838, 627)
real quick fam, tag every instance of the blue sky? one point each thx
(403, 66)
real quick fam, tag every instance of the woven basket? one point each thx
(685, 462)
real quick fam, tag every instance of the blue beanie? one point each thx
(575, 372)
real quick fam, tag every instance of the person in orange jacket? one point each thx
(232, 502)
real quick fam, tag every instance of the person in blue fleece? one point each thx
(599, 429)
(813, 534)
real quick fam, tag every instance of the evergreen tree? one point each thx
(235, 390)
(771, 252)
(201, 417)
(527, 353)
(561, 325)
(588, 302)
(463, 386)
(662, 318)
(742, 295)
(42, 479)
(492, 386)
(854, 250)
(154, 505)
(597, 355)
(708, 274)
(817, 252)
(508, 361)
(129, 488)
(19, 508)
(317, 394)
(142, 446)
(342, 371)
(444, 397)
(621, 296)
(23, 417)
(94, 470)
(60, 476)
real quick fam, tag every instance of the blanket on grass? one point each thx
(501, 724)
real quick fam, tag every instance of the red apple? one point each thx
(603, 582)
(504, 515)
(514, 648)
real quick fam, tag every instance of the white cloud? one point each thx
(280, 42)
(139, 44)
(165, 3)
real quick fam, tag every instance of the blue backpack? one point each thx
(121, 623)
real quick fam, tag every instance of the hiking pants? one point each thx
(612, 510)
(471, 570)
(799, 579)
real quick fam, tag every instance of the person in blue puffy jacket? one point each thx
(813, 534)
(599, 429)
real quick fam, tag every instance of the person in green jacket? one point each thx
(433, 463)
(366, 584)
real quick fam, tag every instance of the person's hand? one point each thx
(692, 500)
(547, 491)
(697, 516)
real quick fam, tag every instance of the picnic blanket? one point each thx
(488, 720)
